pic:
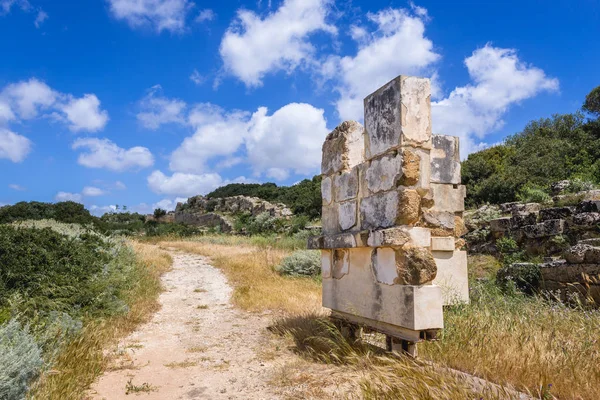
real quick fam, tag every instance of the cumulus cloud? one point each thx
(102, 153)
(397, 45)
(197, 78)
(28, 99)
(13, 147)
(499, 80)
(66, 196)
(159, 15)
(183, 184)
(84, 114)
(17, 187)
(254, 46)
(157, 110)
(217, 133)
(92, 191)
(288, 140)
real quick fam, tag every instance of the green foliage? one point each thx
(577, 185)
(301, 263)
(524, 276)
(302, 198)
(159, 212)
(546, 151)
(264, 223)
(592, 102)
(20, 360)
(66, 211)
(533, 194)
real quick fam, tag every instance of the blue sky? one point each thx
(146, 102)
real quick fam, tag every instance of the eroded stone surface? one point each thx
(347, 215)
(343, 148)
(445, 160)
(409, 207)
(383, 173)
(415, 265)
(341, 263)
(411, 168)
(379, 210)
(448, 198)
(326, 262)
(326, 190)
(346, 185)
(399, 236)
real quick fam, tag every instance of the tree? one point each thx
(592, 102)
(159, 212)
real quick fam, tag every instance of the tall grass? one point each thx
(537, 345)
(83, 360)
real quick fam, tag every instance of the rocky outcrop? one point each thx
(233, 205)
(208, 220)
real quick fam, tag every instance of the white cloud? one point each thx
(217, 133)
(254, 46)
(13, 147)
(205, 15)
(289, 140)
(6, 5)
(102, 153)
(40, 18)
(397, 46)
(17, 187)
(197, 78)
(169, 15)
(29, 97)
(158, 110)
(66, 196)
(91, 191)
(84, 114)
(500, 80)
(183, 184)
(168, 204)
(101, 210)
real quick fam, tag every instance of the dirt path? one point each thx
(196, 347)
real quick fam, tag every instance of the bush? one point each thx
(533, 194)
(66, 211)
(577, 185)
(153, 228)
(301, 263)
(525, 276)
(20, 361)
(263, 223)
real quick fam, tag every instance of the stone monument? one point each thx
(392, 216)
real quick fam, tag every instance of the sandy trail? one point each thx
(196, 347)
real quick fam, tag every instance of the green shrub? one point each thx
(533, 194)
(525, 276)
(301, 263)
(577, 185)
(20, 361)
(66, 211)
(154, 228)
(263, 223)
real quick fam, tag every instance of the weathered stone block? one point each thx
(384, 173)
(384, 265)
(500, 224)
(587, 219)
(424, 170)
(576, 254)
(345, 185)
(341, 263)
(409, 207)
(506, 208)
(525, 208)
(556, 213)
(315, 242)
(445, 160)
(460, 228)
(339, 241)
(343, 148)
(326, 190)
(588, 206)
(452, 276)
(326, 262)
(442, 243)
(439, 219)
(361, 238)
(547, 228)
(411, 168)
(379, 210)
(329, 219)
(523, 219)
(448, 198)
(398, 114)
(409, 265)
(399, 236)
(347, 215)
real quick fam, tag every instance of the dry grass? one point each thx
(83, 360)
(250, 270)
(538, 346)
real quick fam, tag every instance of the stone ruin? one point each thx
(391, 216)
(202, 211)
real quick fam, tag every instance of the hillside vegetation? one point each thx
(565, 146)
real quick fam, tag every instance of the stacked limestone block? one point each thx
(392, 207)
